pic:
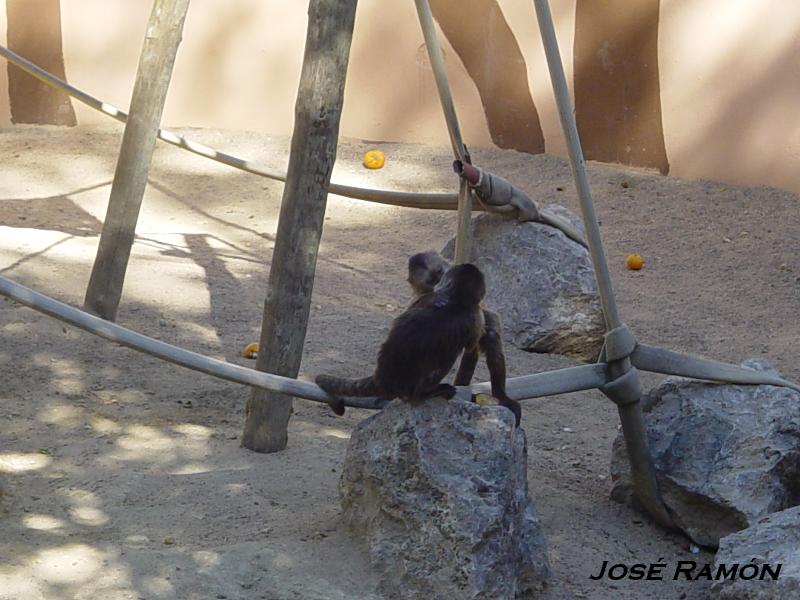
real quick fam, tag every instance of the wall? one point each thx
(5, 110)
(727, 81)
(730, 88)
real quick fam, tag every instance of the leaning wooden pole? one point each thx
(291, 277)
(464, 228)
(162, 37)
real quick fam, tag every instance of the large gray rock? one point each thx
(439, 492)
(773, 541)
(725, 455)
(540, 282)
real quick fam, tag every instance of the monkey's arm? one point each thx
(467, 367)
(492, 345)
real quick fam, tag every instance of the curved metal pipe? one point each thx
(551, 383)
(168, 352)
(520, 388)
(438, 201)
(419, 200)
(669, 362)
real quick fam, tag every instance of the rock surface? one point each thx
(439, 492)
(775, 540)
(540, 282)
(725, 455)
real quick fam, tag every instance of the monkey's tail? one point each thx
(339, 386)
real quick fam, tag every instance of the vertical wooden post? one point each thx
(291, 277)
(162, 37)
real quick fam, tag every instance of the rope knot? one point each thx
(497, 194)
(619, 345)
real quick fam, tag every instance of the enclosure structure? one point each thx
(616, 372)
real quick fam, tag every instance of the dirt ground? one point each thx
(123, 476)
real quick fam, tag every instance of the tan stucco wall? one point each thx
(730, 88)
(729, 75)
(239, 65)
(5, 112)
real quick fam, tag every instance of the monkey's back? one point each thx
(423, 345)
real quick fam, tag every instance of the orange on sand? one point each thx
(251, 350)
(634, 262)
(374, 159)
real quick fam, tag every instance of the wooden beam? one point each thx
(291, 277)
(162, 37)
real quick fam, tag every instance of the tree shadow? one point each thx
(56, 213)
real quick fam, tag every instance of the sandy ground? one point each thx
(123, 476)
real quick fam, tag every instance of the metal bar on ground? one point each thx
(162, 37)
(551, 383)
(464, 231)
(519, 388)
(630, 414)
(661, 360)
(173, 354)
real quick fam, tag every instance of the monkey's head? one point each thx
(425, 270)
(461, 285)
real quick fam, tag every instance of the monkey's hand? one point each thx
(513, 406)
(337, 406)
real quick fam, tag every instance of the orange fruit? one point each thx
(374, 159)
(485, 400)
(251, 350)
(634, 262)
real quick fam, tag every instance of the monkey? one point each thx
(425, 269)
(423, 343)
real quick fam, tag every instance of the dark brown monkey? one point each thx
(424, 272)
(423, 343)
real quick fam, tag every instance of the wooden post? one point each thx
(464, 229)
(162, 37)
(291, 277)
